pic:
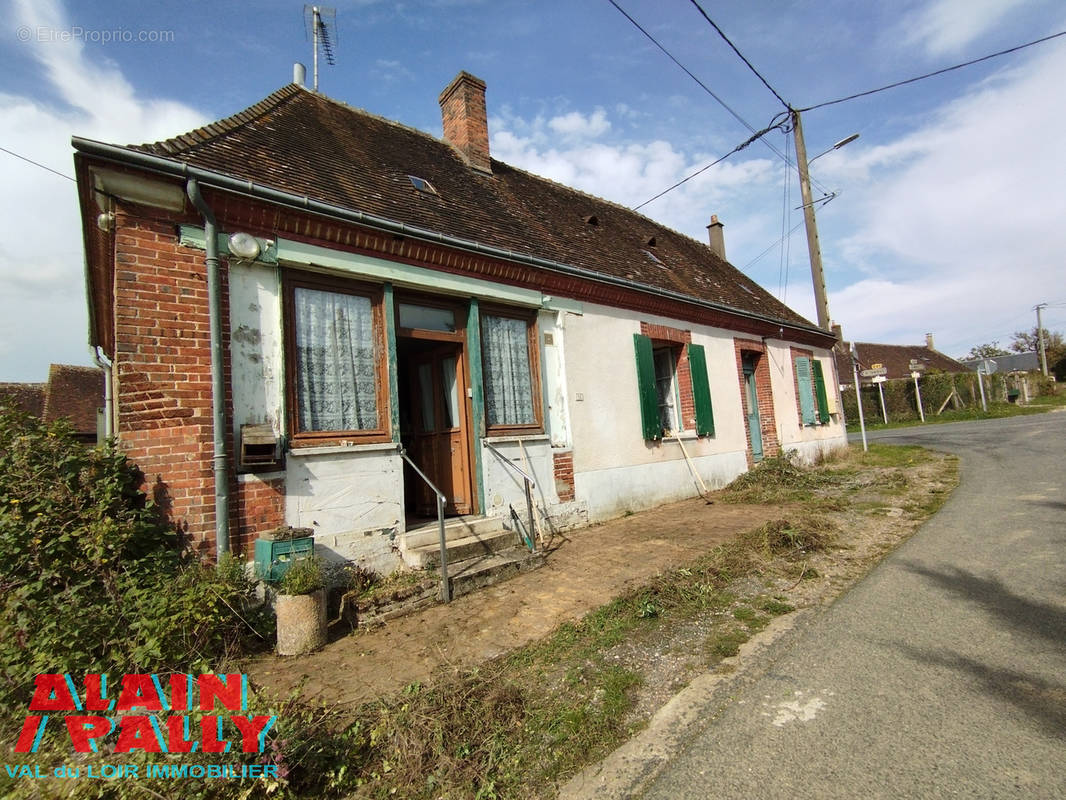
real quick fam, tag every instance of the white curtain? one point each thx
(336, 370)
(508, 383)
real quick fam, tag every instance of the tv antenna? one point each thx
(321, 21)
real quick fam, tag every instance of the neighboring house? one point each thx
(379, 288)
(74, 393)
(900, 360)
(1015, 362)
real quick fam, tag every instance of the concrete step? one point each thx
(468, 547)
(454, 528)
(470, 575)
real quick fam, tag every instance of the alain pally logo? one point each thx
(150, 714)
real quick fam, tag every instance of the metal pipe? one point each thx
(218, 387)
(445, 588)
(170, 167)
(528, 478)
(109, 399)
(858, 396)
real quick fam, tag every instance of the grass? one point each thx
(1036, 405)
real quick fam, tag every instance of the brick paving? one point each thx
(584, 569)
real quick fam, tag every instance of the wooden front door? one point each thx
(437, 382)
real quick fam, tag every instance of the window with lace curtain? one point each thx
(509, 367)
(335, 364)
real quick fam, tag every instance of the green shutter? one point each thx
(819, 391)
(701, 390)
(806, 390)
(649, 400)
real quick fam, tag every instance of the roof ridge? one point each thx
(211, 130)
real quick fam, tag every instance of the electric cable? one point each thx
(36, 164)
(932, 74)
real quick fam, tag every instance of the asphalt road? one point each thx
(941, 674)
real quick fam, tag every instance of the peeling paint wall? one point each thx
(256, 363)
(353, 501)
(810, 441)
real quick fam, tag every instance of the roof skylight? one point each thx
(422, 185)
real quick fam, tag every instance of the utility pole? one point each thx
(815, 250)
(1040, 338)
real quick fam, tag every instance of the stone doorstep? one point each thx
(454, 528)
(464, 577)
(463, 549)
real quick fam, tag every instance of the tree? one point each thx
(990, 350)
(1054, 347)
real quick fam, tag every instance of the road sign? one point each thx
(916, 375)
(917, 366)
(873, 372)
(876, 366)
(879, 379)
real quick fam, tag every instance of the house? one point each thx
(898, 360)
(71, 392)
(1012, 362)
(291, 295)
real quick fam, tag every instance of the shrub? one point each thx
(304, 575)
(92, 575)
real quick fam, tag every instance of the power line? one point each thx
(758, 75)
(701, 170)
(709, 91)
(933, 74)
(36, 164)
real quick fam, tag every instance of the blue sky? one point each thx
(949, 211)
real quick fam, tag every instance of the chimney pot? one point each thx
(716, 237)
(466, 126)
(299, 73)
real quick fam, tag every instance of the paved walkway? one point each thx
(584, 569)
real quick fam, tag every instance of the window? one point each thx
(334, 341)
(664, 391)
(509, 371)
(810, 386)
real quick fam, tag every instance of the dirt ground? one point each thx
(584, 569)
(587, 568)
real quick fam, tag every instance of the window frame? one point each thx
(293, 280)
(674, 351)
(529, 316)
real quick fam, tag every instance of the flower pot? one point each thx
(301, 622)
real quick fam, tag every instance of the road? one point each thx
(942, 674)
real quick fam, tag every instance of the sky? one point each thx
(948, 210)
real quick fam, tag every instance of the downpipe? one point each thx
(218, 388)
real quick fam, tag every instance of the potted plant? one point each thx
(300, 607)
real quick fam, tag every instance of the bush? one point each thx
(93, 577)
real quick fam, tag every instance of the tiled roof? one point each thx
(301, 142)
(27, 397)
(1014, 362)
(896, 358)
(75, 393)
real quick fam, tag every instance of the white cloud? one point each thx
(42, 299)
(945, 27)
(577, 125)
(959, 224)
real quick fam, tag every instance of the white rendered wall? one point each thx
(809, 441)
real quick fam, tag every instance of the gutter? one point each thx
(109, 399)
(218, 388)
(180, 169)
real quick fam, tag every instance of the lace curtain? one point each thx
(508, 383)
(336, 374)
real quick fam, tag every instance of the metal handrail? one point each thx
(529, 483)
(445, 589)
(510, 463)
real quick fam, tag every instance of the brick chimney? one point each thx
(717, 237)
(466, 125)
(929, 341)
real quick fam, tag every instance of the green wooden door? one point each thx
(752, 398)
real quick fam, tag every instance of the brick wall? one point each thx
(563, 463)
(764, 392)
(163, 371)
(259, 506)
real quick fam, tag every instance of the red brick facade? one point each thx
(763, 390)
(563, 462)
(259, 507)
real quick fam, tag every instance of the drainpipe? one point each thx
(105, 365)
(218, 389)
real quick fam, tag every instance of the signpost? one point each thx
(874, 372)
(879, 380)
(918, 393)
